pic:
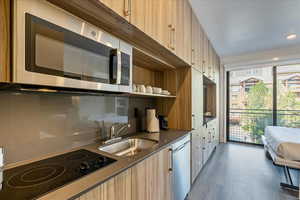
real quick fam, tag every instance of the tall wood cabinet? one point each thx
(205, 136)
(197, 121)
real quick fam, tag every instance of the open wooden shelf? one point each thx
(141, 58)
(139, 94)
(96, 13)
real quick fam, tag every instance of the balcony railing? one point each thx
(248, 125)
(288, 118)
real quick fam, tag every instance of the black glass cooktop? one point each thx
(35, 179)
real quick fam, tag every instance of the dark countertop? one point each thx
(84, 184)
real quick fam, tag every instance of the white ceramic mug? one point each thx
(157, 90)
(165, 92)
(134, 88)
(149, 89)
(141, 88)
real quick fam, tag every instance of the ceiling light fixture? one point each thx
(275, 59)
(291, 36)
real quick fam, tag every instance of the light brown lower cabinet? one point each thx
(151, 179)
(196, 154)
(148, 180)
(117, 188)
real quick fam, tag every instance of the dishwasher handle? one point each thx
(181, 146)
(170, 160)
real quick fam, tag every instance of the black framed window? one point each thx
(260, 97)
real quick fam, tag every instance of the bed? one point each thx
(284, 141)
(282, 144)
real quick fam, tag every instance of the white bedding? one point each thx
(284, 141)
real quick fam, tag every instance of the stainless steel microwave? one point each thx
(54, 48)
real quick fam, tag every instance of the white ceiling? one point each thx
(237, 27)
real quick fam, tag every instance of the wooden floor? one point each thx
(240, 172)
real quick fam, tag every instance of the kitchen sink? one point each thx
(128, 147)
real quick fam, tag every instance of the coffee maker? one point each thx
(163, 122)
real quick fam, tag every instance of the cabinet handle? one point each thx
(174, 38)
(203, 66)
(193, 122)
(170, 36)
(193, 56)
(170, 160)
(127, 8)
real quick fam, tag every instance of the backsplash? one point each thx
(35, 124)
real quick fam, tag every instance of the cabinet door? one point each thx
(122, 7)
(195, 43)
(181, 28)
(205, 55)
(157, 19)
(210, 59)
(197, 99)
(201, 48)
(117, 188)
(187, 31)
(205, 146)
(165, 23)
(138, 13)
(196, 154)
(162, 21)
(151, 179)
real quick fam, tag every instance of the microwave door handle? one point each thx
(119, 67)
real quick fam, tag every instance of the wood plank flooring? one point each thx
(240, 172)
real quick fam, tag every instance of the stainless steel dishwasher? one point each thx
(181, 168)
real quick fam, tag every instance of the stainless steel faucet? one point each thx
(114, 132)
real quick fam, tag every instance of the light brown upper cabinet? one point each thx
(166, 21)
(169, 22)
(138, 12)
(201, 48)
(185, 33)
(163, 21)
(122, 7)
(214, 67)
(197, 44)
(210, 60)
(205, 55)
(178, 14)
